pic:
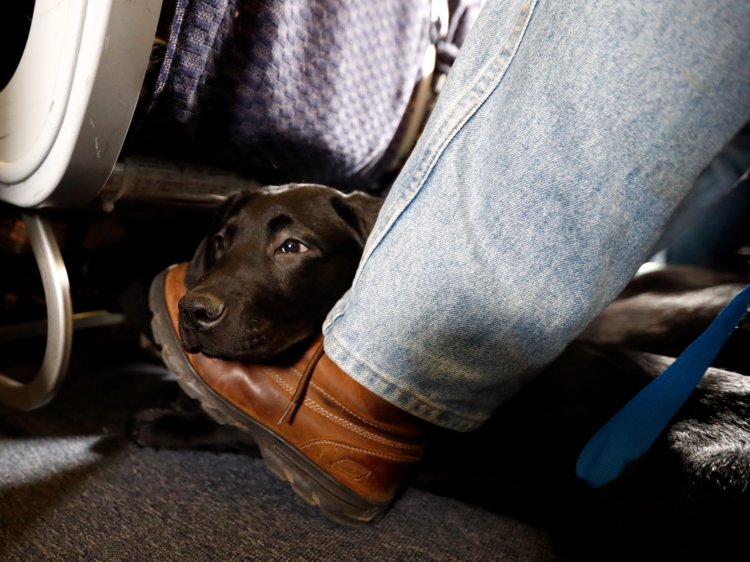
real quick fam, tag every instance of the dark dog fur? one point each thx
(277, 260)
(274, 265)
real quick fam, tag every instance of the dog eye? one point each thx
(292, 246)
(220, 243)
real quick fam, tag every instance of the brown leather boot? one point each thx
(339, 445)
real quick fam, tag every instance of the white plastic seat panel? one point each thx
(66, 111)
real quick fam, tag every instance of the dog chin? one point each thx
(228, 354)
(260, 349)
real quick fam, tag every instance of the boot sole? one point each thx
(312, 484)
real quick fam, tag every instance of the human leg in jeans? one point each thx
(566, 135)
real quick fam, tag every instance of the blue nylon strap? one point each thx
(636, 426)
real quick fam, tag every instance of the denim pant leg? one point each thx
(566, 135)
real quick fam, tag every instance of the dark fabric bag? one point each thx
(288, 90)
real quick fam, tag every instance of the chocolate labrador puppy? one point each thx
(277, 259)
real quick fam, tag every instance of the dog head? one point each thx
(271, 267)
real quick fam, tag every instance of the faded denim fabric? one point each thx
(566, 135)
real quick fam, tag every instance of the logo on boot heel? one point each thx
(351, 469)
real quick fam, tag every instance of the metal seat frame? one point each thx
(83, 165)
(88, 101)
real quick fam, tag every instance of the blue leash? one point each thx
(636, 426)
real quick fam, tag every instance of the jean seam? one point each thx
(486, 83)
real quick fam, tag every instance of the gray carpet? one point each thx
(75, 486)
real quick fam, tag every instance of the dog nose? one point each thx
(201, 311)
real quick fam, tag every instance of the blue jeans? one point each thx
(567, 134)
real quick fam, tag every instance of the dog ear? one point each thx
(203, 258)
(359, 211)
